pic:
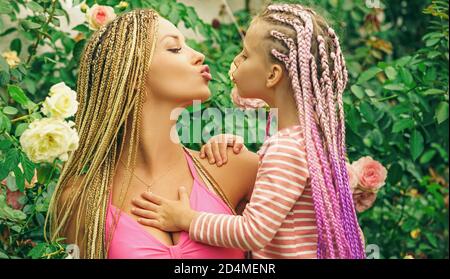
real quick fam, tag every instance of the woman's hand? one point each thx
(167, 215)
(216, 148)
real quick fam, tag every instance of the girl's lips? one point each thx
(207, 76)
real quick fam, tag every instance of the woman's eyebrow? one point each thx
(176, 37)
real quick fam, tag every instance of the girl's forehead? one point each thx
(254, 34)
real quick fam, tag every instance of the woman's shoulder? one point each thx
(245, 162)
(238, 175)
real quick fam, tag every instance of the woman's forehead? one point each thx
(167, 29)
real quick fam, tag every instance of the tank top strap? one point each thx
(191, 165)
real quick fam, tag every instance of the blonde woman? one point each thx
(134, 72)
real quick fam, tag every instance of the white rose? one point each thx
(98, 15)
(61, 103)
(49, 138)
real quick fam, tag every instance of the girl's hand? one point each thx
(216, 148)
(167, 215)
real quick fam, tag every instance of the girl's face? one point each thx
(252, 65)
(177, 74)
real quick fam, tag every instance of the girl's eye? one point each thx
(175, 50)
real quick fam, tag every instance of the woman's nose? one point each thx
(199, 57)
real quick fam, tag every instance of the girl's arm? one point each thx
(281, 179)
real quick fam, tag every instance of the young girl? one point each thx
(301, 206)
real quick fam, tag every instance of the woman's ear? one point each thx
(274, 76)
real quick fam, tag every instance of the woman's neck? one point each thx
(159, 145)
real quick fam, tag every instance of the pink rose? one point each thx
(12, 198)
(371, 174)
(353, 177)
(364, 200)
(98, 15)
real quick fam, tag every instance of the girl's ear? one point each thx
(274, 76)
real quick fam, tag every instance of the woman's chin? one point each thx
(204, 95)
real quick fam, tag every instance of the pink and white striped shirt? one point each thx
(279, 220)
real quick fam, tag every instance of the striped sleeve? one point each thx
(280, 181)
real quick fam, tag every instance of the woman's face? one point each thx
(251, 65)
(177, 73)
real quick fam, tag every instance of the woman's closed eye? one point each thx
(175, 50)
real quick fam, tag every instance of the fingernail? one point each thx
(133, 209)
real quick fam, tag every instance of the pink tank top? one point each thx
(132, 241)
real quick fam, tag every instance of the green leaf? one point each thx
(16, 45)
(12, 159)
(369, 74)
(395, 173)
(442, 112)
(395, 87)
(82, 28)
(18, 95)
(5, 144)
(3, 64)
(390, 72)
(433, 91)
(427, 156)
(38, 251)
(406, 77)
(10, 110)
(35, 7)
(59, 12)
(5, 7)
(28, 167)
(357, 91)
(432, 42)
(4, 78)
(367, 112)
(416, 144)
(402, 125)
(401, 62)
(3, 255)
(20, 179)
(26, 24)
(20, 129)
(432, 239)
(78, 49)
